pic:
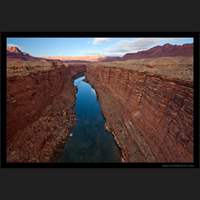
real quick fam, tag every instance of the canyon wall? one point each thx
(40, 112)
(149, 113)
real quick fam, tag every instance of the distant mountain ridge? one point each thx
(76, 58)
(15, 53)
(14, 49)
(167, 50)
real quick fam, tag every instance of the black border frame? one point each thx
(194, 35)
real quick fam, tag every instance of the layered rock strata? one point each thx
(40, 113)
(148, 106)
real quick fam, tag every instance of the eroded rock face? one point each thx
(14, 49)
(40, 113)
(27, 97)
(167, 50)
(162, 51)
(150, 116)
(15, 53)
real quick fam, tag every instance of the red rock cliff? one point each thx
(39, 109)
(162, 51)
(148, 109)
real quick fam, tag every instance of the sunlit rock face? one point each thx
(147, 103)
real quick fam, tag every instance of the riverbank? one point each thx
(148, 106)
(89, 141)
(40, 109)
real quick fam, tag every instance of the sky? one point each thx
(43, 47)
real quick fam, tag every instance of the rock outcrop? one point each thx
(162, 51)
(167, 50)
(147, 104)
(15, 53)
(14, 50)
(75, 58)
(40, 113)
(148, 107)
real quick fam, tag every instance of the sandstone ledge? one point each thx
(175, 68)
(43, 139)
(40, 109)
(150, 112)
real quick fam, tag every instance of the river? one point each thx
(89, 141)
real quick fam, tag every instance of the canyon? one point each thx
(167, 50)
(148, 107)
(147, 104)
(40, 113)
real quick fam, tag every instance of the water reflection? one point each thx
(89, 141)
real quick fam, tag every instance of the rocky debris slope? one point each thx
(148, 106)
(40, 113)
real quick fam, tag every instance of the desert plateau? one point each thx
(136, 107)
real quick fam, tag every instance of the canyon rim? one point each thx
(138, 108)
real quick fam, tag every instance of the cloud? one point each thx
(99, 40)
(139, 44)
(133, 45)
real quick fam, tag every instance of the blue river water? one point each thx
(89, 141)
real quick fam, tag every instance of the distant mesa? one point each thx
(111, 58)
(14, 49)
(167, 50)
(15, 53)
(76, 58)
